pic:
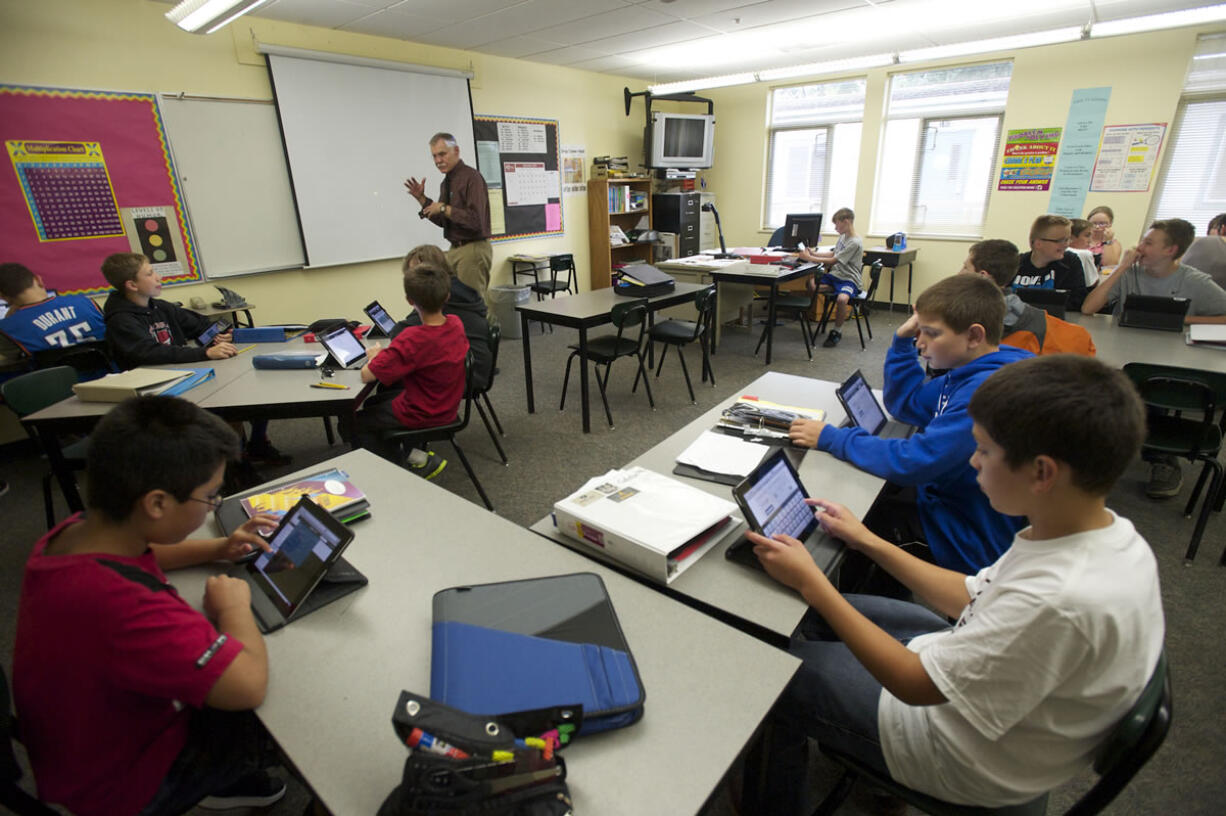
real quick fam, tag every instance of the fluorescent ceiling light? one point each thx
(1209, 56)
(206, 16)
(828, 67)
(701, 84)
(1155, 22)
(1057, 35)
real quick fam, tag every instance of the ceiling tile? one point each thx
(608, 24)
(568, 55)
(611, 64)
(393, 23)
(517, 47)
(671, 34)
(323, 13)
(752, 15)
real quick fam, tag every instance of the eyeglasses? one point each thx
(1055, 240)
(213, 501)
(1100, 224)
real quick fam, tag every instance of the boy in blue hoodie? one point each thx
(957, 325)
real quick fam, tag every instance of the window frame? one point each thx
(1168, 154)
(918, 168)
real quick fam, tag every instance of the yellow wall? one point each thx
(1144, 71)
(129, 45)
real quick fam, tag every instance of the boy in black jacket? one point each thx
(143, 330)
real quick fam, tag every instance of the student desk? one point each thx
(336, 673)
(756, 275)
(1117, 345)
(584, 311)
(236, 392)
(891, 259)
(727, 589)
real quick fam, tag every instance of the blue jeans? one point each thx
(832, 698)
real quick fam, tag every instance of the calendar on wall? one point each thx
(519, 159)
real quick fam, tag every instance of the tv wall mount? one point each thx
(648, 96)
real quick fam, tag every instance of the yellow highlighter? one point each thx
(337, 386)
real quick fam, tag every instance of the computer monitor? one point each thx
(802, 228)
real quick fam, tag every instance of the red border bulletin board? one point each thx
(87, 174)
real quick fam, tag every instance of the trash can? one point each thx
(503, 300)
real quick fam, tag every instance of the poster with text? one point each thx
(1127, 158)
(1030, 159)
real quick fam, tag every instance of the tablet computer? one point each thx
(864, 411)
(344, 347)
(220, 327)
(379, 317)
(306, 545)
(773, 499)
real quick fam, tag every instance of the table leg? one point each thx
(713, 340)
(893, 272)
(770, 320)
(60, 469)
(910, 278)
(583, 390)
(523, 324)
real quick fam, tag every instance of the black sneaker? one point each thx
(1165, 479)
(833, 338)
(432, 467)
(253, 790)
(264, 453)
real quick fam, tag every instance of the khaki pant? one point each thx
(472, 263)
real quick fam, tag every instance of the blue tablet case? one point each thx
(518, 645)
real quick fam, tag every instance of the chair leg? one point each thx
(827, 303)
(864, 310)
(48, 501)
(837, 795)
(493, 414)
(855, 311)
(471, 475)
(660, 365)
(328, 431)
(650, 399)
(707, 371)
(603, 397)
(804, 334)
(1203, 518)
(566, 380)
(686, 372)
(761, 340)
(1200, 483)
(493, 437)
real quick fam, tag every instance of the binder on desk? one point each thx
(141, 382)
(538, 643)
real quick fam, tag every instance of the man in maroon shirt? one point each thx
(462, 210)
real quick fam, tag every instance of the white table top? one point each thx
(728, 586)
(1117, 345)
(336, 673)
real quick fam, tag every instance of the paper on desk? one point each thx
(721, 453)
(1206, 333)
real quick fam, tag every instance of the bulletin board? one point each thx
(88, 174)
(519, 159)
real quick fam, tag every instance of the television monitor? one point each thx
(801, 228)
(680, 140)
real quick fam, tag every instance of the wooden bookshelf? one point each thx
(600, 218)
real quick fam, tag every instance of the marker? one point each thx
(428, 742)
(337, 386)
(244, 348)
(504, 756)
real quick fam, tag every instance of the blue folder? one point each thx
(519, 645)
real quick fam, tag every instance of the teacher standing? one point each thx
(462, 210)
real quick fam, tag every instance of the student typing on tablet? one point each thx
(132, 702)
(957, 325)
(1052, 643)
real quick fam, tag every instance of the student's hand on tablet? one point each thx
(221, 592)
(806, 432)
(247, 538)
(838, 521)
(224, 337)
(785, 559)
(221, 351)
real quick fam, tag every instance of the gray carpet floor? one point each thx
(550, 457)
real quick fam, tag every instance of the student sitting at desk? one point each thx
(1026, 326)
(130, 700)
(957, 326)
(1050, 263)
(143, 330)
(39, 321)
(425, 366)
(462, 301)
(843, 278)
(1208, 254)
(1053, 642)
(1153, 267)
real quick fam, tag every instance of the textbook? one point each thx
(330, 489)
(141, 382)
(654, 524)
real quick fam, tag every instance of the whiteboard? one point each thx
(353, 134)
(231, 166)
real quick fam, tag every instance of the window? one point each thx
(814, 149)
(1193, 184)
(938, 151)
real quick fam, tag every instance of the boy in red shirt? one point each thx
(131, 701)
(425, 364)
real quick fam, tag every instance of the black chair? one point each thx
(33, 392)
(12, 797)
(557, 264)
(858, 304)
(409, 438)
(680, 333)
(630, 320)
(1135, 738)
(797, 307)
(479, 395)
(1169, 392)
(88, 359)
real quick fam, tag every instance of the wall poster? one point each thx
(1030, 159)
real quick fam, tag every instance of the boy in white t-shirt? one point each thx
(1053, 642)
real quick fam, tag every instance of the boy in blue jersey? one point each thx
(38, 320)
(957, 325)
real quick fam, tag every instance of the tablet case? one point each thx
(532, 644)
(341, 579)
